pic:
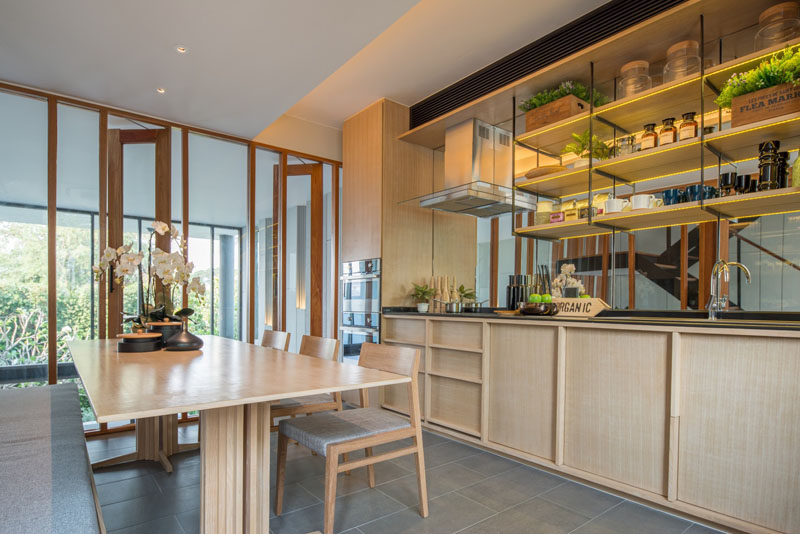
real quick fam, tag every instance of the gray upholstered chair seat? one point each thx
(319, 431)
(305, 401)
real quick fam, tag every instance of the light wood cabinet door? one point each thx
(522, 388)
(739, 448)
(616, 406)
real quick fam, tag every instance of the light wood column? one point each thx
(234, 456)
(256, 474)
(222, 468)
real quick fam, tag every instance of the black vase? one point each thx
(167, 329)
(184, 340)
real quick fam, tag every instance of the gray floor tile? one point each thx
(440, 480)
(127, 470)
(111, 442)
(126, 489)
(437, 455)
(295, 497)
(429, 439)
(511, 488)
(356, 481)
(447, 514)
(582, 499)
(190, 521)
(633, 518)
(351, 510)
(702, 529)
(150, 507)
(164, 525)
(547, 517)
(299, 469)
(186, 472)
(488, 464)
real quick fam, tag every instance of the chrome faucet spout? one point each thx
(744, 268)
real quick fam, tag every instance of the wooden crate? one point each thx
(765, 104)
(564, 107)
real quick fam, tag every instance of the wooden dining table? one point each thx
(231, 384)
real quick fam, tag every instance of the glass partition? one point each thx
(266, 289)
(23, 241)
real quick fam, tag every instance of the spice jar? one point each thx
(627, 145)
(688, 127)
(778, 24)
(634, 77)
(669, 133)
(683, 59)
(649, 137)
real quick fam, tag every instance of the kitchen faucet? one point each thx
(716, 301)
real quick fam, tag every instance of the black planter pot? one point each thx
(167, 329)
(184, 340)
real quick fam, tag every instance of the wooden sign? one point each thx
(765, 104)
(563, 108)
(580, 307)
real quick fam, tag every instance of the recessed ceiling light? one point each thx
(181, 49)
(161, 90)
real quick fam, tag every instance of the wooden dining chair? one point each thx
(335, 433)
(276, 339)
(319, 347)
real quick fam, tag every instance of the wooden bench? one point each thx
(46, 483)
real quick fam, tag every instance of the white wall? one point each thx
(304, 136)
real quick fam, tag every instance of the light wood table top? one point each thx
(226, 372)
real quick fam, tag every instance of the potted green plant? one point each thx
(422, 294)
(580, 147)
(769, 90)
(553, 105)
(465, 294)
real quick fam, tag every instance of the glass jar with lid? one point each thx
(778, 24)
(649, 137)
(668, 133)
(688, 127)
(683, 59)
(634, 77)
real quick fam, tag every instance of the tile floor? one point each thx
(470, 491)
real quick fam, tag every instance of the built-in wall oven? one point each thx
(361, 306)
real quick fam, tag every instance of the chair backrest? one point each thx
(275, 339)
(398, 360)
(390, 358)
(320, 347)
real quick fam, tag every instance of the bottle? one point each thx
(688, 127)
(649, 137)
(668, 134)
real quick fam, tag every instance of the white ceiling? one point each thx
(248, 60)
(436, 43)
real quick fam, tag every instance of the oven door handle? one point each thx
(357, 277)
(357, 330)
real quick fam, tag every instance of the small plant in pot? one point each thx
(466, 294)
(422, 294)
(580, 147)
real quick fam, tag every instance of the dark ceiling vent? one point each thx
(591, 28)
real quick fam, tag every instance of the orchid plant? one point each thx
(565, 279)
(168, 273)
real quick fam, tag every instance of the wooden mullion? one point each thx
(185, 200)
(631, 271)
(335, 226)
(102, 219)
(133, 136)
(282, 249)
(316, 247)
(493, 261)
(684, 267)
(52, 158)
(251, 222)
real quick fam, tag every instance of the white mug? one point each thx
(614, 205)
(639, 202)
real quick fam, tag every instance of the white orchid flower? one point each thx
(174, 232)
(124, 249)
(109, 254)
(161, 228)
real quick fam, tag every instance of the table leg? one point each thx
(156, 441)
(234, 452)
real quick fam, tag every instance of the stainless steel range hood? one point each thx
(477, 172)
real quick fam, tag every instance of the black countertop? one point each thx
(730, 319)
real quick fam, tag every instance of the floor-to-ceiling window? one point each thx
(218, 232)
(267, 177)
(23, 240)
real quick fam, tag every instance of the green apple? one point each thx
(535, 298)
(547, 297)
(585, 296)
